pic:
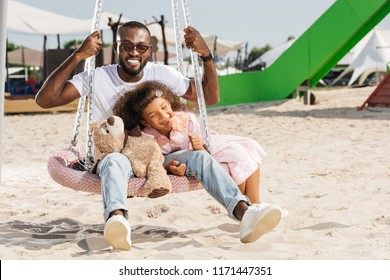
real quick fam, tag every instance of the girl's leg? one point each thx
(252, 187)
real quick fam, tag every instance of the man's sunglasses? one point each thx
(126, 46)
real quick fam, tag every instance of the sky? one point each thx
(257, 22)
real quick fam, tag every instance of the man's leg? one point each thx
(115, 172)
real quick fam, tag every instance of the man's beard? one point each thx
(133, 71)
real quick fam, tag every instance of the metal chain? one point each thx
(77, 123)
(80, 108)
(91, 82)
(90, 67)
(179, 48)
(198, 82)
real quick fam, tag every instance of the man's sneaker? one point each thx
(258, 220)
(117, 232)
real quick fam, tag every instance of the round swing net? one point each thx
(70, 166)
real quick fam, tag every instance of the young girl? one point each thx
(159, 113)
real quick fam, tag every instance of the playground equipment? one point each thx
(311, 56)
(61, 166)
(380, 97)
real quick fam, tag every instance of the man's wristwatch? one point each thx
(207, 58)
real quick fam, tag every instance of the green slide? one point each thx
(311, 56)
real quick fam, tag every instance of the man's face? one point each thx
(133, 50)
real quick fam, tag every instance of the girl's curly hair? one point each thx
(130, 105)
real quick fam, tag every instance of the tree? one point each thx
(73, 44)
(290, 38)
(11, 46)
(257, 52)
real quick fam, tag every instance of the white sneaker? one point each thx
(258, 220)
(117, 232)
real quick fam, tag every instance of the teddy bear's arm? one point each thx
(138, 167)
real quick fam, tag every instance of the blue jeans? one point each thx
(115, 171)
(213, 177)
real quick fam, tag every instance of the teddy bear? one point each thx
(142, 151)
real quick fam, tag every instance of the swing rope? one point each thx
(90, 67)
(179, 48)
(58, 164)
(195, 63)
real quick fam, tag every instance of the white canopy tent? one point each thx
(222, 47)
(28, 19)
(26, 56)
(371, 55)
(354, 52)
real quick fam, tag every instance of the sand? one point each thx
(328, 165)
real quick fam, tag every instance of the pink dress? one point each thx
(242, 155)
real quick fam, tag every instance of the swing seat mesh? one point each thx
(60, 169)
(60, 164)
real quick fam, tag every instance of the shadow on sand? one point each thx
(89, 237)
(313, 112)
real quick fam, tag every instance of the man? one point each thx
(132, 48)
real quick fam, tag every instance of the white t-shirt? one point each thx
(108, 86)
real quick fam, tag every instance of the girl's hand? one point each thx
(174, 168)
(196, 142)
